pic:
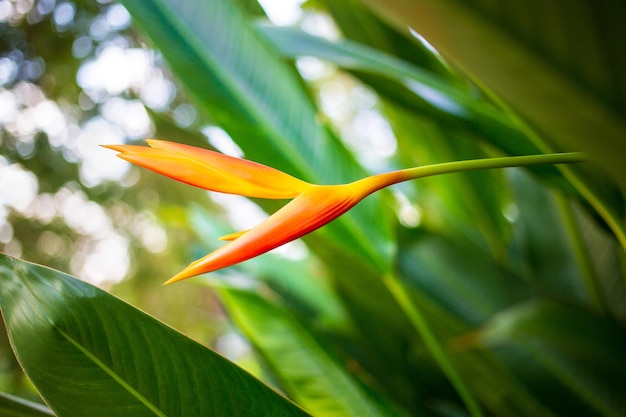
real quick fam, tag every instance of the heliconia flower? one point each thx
(312, 206)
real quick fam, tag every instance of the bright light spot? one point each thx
(295, 250)
(64, 14)
(233, 346)
(82, 215)
(45, 6)
(18, 187)
(44, 208)
(374, 133)
(25, 146)
(146, 228)
(24, 124)
(243, 214)
(118, 17)
(321, 25)
(99, 28)
(6, 232)
(49, 118)
(113, 71)
(6, 10)
(130, 115)
(185, 115)
(33, 69)
(436, 98)
(82, 46)
(410, 215)
(52, 244)
(28, 94)
(222, 141)
(157, 91)
(8, 70)
(363, 97)
(312, 68)
(8, 107)
(97, 163)
(102, 262)
(282, 12)
(334, 96)
(23, 6)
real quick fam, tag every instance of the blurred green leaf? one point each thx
(585, 352)
(543, 248)
(460, 278)
(11, 406)
(90, 354)
(499, 391)
(307, 372)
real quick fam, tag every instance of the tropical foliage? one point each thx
(496, 292)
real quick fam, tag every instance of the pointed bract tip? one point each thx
(154, 143)
(188, 272)
(118, 148)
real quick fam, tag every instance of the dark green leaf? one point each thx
(460, 278)
(585, 352)
(90, 354)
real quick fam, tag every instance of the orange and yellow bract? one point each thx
(312, 206)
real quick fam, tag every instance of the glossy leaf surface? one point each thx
(90, 354)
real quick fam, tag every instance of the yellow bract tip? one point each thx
(233, 236)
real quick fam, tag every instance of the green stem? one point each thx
(477, 164)
(418, 321)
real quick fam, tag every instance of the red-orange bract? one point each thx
(312, 206)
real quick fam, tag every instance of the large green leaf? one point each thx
(305, 369)
(90, 354)
(245, 87)
(11, 406)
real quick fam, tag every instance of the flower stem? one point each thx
(490, 163)
(433, 345)
(387, 179)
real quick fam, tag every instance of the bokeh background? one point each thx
(519, 273)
